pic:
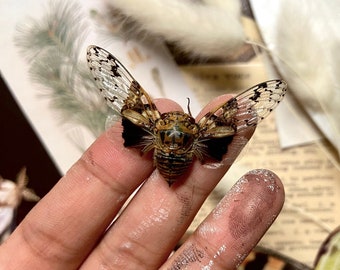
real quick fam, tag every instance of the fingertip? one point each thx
(250, 208)
(258, 199)
(270, 182)
(237, 223)
(167, 105)
(213, 104)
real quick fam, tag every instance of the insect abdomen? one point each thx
(171, 165)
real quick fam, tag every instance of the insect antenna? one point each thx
(188, 107)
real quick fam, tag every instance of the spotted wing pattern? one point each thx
(237, 115)
(245, 110)
(259, 101)
(120, 90)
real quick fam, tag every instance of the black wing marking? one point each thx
(238, 114)
(120, 90)
(256, 103)
(245, 110)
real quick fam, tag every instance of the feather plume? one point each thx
(308, 41)
(209, 28)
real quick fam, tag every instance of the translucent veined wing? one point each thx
(120, 90)
(243, 111)
(258, 102)
(237, 115)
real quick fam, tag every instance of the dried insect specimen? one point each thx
(175, 137)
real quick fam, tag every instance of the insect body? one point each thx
(175, 137)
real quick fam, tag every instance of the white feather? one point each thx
(208, 29)
(304, 39)
(308, 40)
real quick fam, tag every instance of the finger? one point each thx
(65, 225)
(235, 226)
(216, 102)
(157, 217)
(167, 105)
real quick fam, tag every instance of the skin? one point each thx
(68, 228)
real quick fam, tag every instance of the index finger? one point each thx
(65, 225)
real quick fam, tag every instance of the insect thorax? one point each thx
(176, 132)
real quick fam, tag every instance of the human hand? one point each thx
(68, 228)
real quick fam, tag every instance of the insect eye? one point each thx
(161, 122)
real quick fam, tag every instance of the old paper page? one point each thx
(311, 179)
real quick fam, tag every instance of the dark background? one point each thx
(20, 147)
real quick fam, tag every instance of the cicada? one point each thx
(175, 137)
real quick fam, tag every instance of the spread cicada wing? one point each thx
(256, 103)
(120, 90)
(125, 96)
(112, 85)
(244, 111)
